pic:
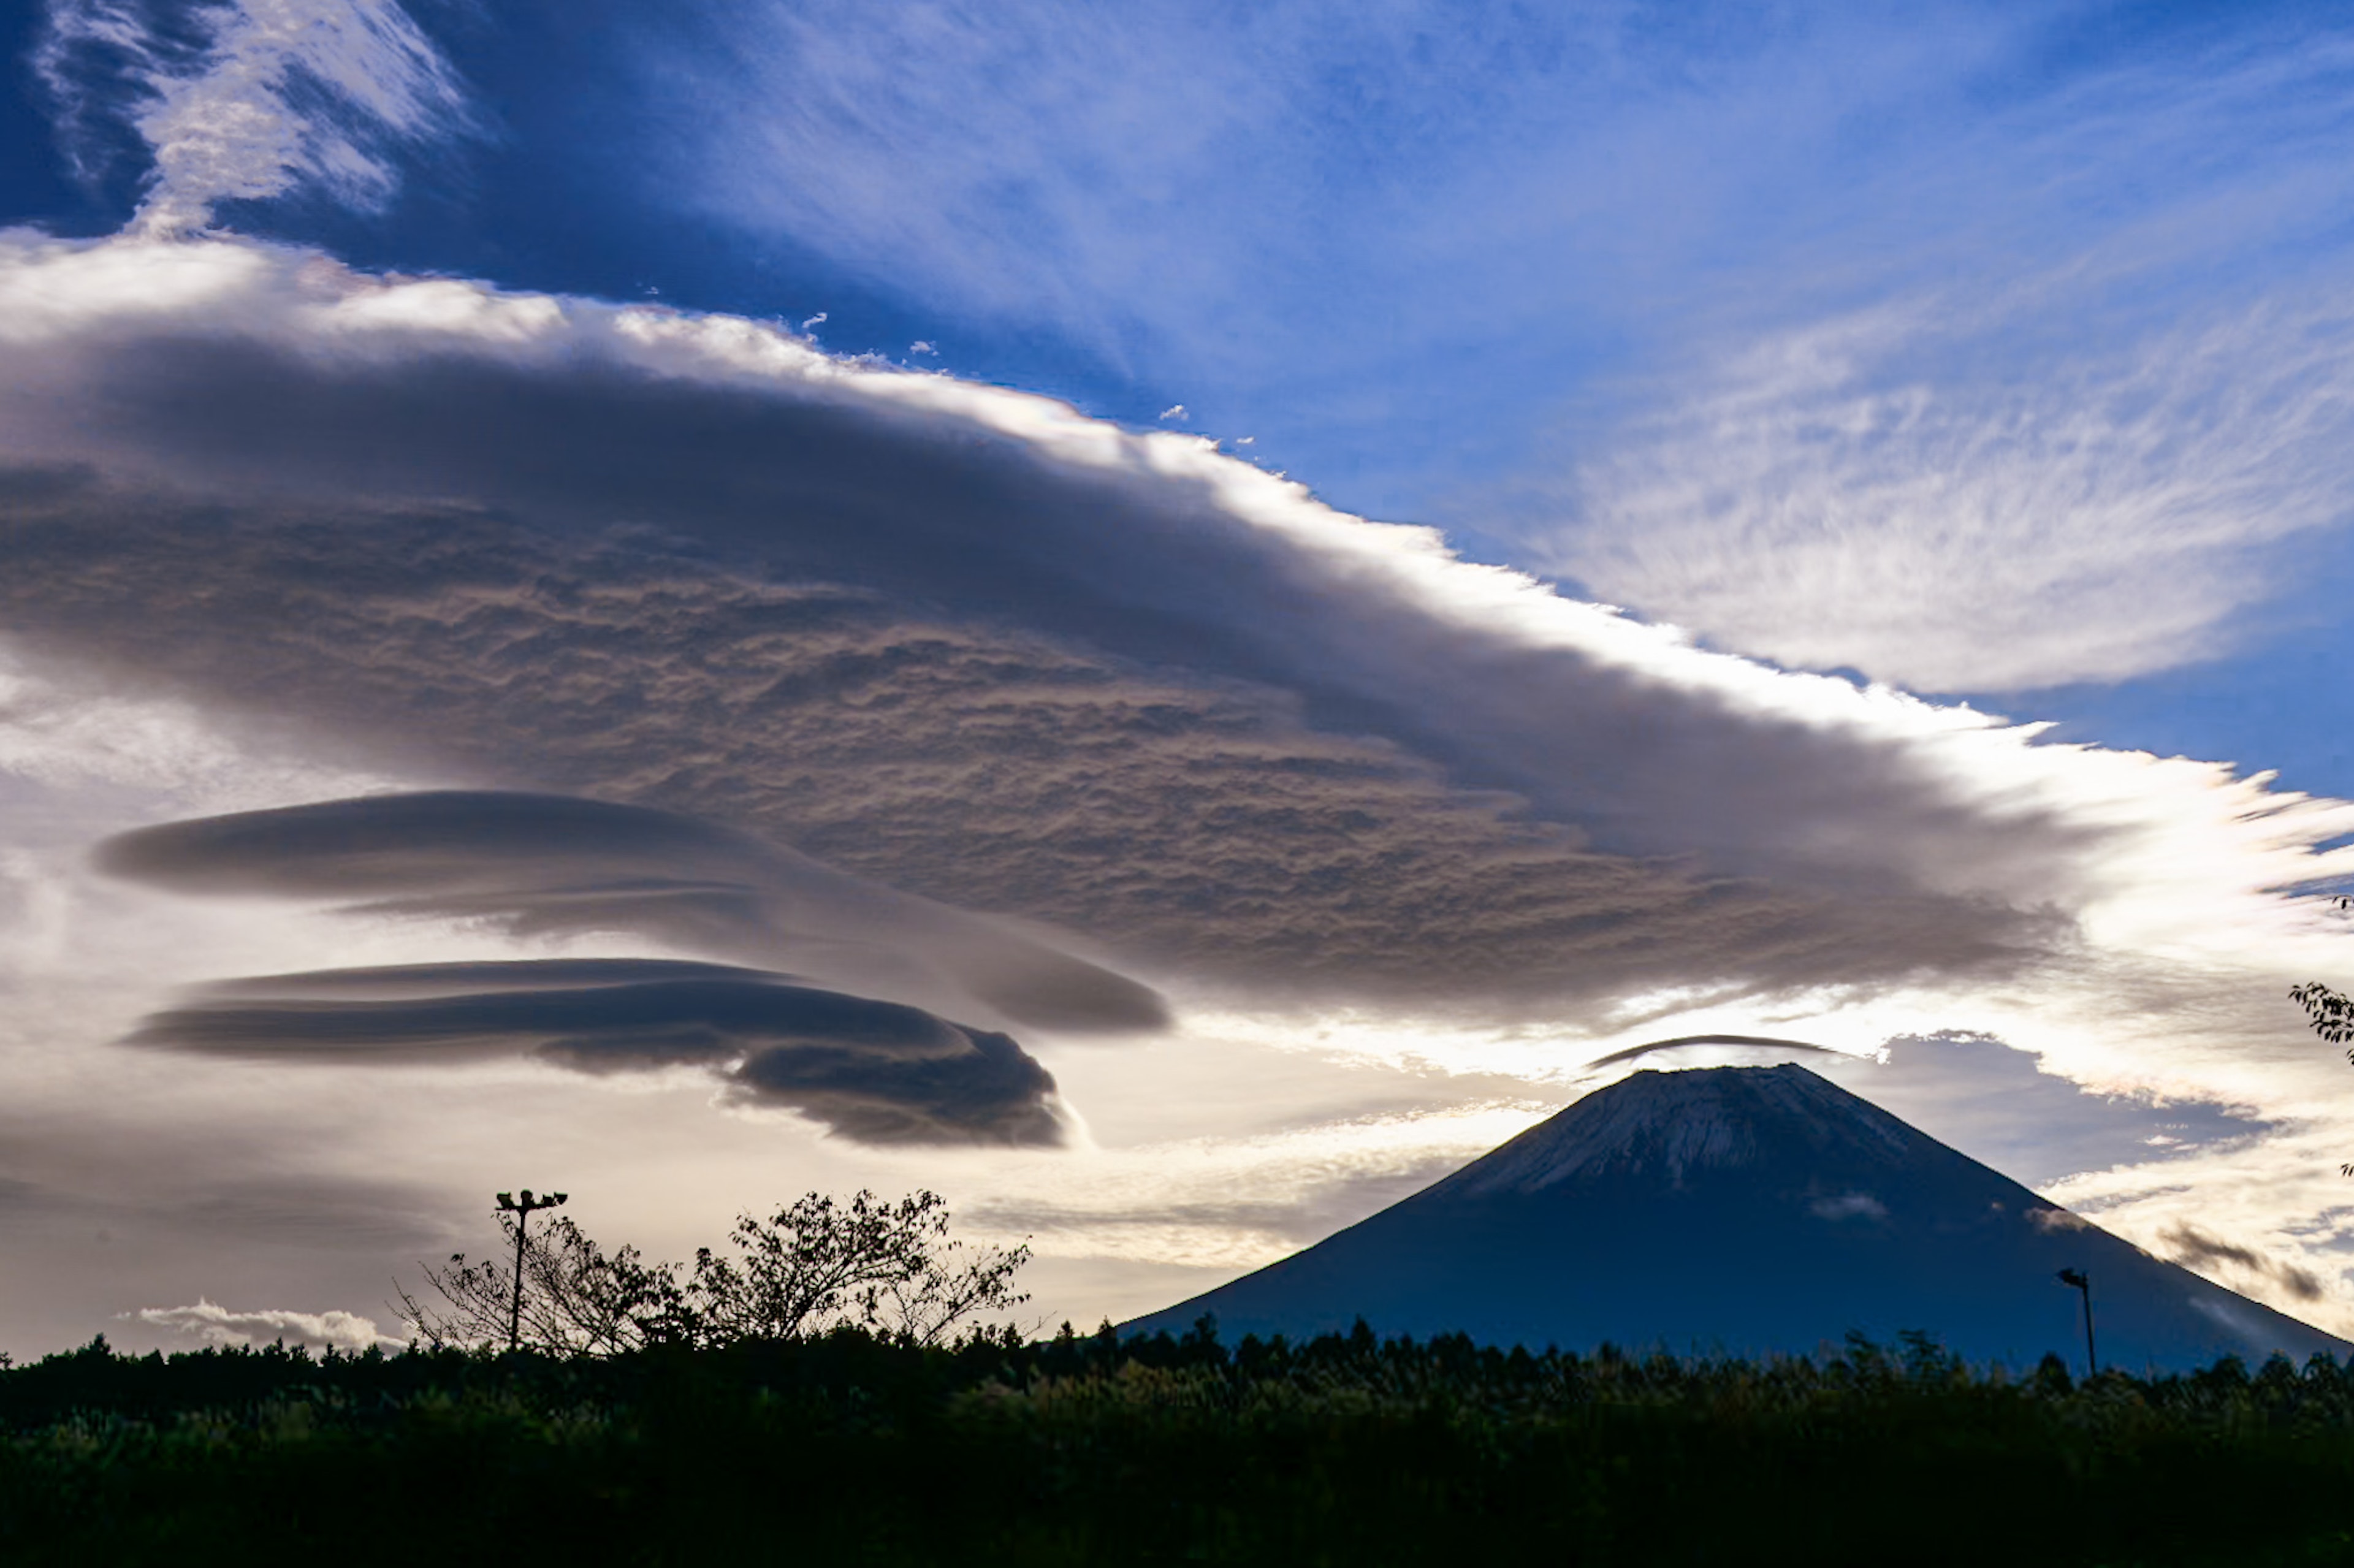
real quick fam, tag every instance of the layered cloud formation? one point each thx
(668, 593)
(547, 865)
(875, 1071)
(964, 642)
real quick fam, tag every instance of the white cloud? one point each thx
(331, 1331)
(1849, 1206)
(241, 100)
(1861, 494)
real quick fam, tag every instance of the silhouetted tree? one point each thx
(576, 1298)
(816, 1265)
(813, 1265)
(2329, 1014)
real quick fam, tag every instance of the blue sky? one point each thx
(1987, 359)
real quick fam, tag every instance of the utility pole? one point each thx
(523, 1211)
(2083, 1283)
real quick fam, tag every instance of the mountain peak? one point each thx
(1671, 1123)
(1744, 1211)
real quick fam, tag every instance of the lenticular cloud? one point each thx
(545, 865)
(875, 1072)
(974, 645)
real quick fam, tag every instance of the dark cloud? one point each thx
(991, 1093)
(434, 842)
(314, 1214)
(391, 980)
(680, 1019)
(1199, 825)
(547, 864)
(39, 483)
(876, 1072)
(2194, 1249)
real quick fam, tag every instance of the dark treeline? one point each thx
(1084, 1450)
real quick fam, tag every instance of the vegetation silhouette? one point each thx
(815, 1265)
(856, 1446)
(2328, 1014)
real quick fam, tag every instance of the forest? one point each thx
(860, 1447)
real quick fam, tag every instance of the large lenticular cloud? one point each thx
(967, 642)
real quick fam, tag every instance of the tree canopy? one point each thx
(815, 1265)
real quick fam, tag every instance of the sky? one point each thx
(1167, 620)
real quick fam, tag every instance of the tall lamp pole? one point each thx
(2083, 1283)
(523, 1209)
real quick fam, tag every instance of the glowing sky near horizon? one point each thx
(1311, 569)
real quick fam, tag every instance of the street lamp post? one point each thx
(523, 1209)
(2083, 1283)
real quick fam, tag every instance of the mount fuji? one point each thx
(1744, 1211)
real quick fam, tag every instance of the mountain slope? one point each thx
(1744, 1211)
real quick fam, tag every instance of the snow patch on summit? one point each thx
(1673, 1122)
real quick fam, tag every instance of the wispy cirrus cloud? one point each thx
(247, 100)
(1861, 494)
(2055, 395)
(1315, 193)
